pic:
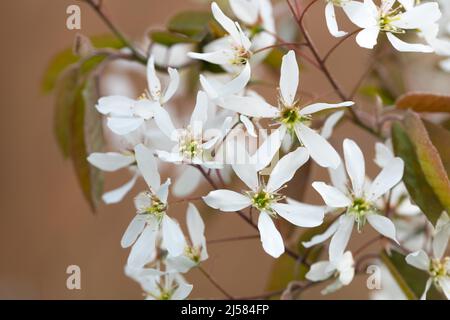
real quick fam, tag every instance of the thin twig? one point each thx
(341, 40)
(215, 283)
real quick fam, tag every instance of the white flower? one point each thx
(266, 199)
(126, 115)
(151, 218)
(437, 266)
(191, 146)
(257, 16)
(330, 17)
(391, 20)
(160, 285)
(231, 52)
(359, 202)
(196, 251)
(294, 119)
(341, 267)
(113, 161)
(399, 198)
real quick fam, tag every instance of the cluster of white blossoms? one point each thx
(214, 141)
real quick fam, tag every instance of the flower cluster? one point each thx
(224, 135)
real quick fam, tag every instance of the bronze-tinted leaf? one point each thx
(424, 102)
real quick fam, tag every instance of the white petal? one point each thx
(173, 84)
(182, 292)
(441, 236)
(289, 78)
(163, 192)
(317, 107)
(144, 249)
(383, 225)
(265, 153)
(173, 238)
(419, 260)
(330, 123)
(332, 196)
(245, 10)
(195, 225)
(181, 263)
(134, 229)
(173, 157)
(322, 237)
(146, 163)
(301, 216)
(116, 195)
(249, 106)
(221, 57)
(286, 168)
(319, 272)
(386, 179)
(154, 84)
(355, 165)
(427, 287)
(110, 161)
(248, 124)
(144, 108)
(367, 38)
(116, 105)
(330, 17)
(200, 113)
(238, 84)
(418, 16)
(319, 148)
(444, 283)
(407, 47)
(340, 239)
(164, 123)
(248, 174)
(227, 200)
(271, 239)
(187, 182)
(338, 178)
(225, 22)
(383, 154)
(361, 14)
(122, 126)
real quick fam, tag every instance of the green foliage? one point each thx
(66, 57)
(169, 39)
(410, 280)
(374, 91)
(274, 58)
(415, 181)
(192, 24)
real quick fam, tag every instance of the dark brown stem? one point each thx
(215, 283)
(337, 45)
(99, 10)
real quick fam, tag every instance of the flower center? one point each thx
(193, 253)
(337, 3)
(290, 116)
(155, 208)
(241, 56)
(386, 20)
(262, 200)
(190, 146)
(359, 210)
(438, 268)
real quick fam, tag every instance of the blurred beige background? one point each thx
(45, 224)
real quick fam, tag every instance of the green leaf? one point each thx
(85, 137)
(413, 177)
(429, 158)
(424, 102)
(440, 137)
(410, 280)
(193, 24)
(66, 57)
(274, 59)
(169, 38)
(373, 91)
